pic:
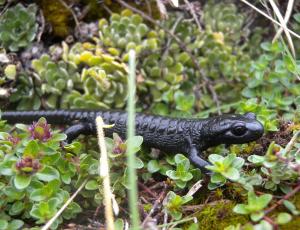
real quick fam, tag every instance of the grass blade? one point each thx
(133, 194)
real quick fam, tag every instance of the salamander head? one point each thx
(233, 129)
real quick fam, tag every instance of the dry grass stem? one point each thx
(283, 26)
(104, 173)
(59, 212)
(268, 17)
(162, 9)
(287, 16)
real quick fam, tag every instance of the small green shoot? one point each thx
(224, 168)
(255, 206)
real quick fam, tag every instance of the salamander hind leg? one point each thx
(75, 130)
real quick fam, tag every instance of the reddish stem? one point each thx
(268, 219)
(287, 196)
(146, 189)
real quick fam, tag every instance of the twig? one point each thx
(158, 185)
(268, 17)
(183, 47)
(107, 9)
(59, 212)
(199, 207)
(268, 219)
(73, 15)
(157, 202)
(104, 173)
(5, 7)
(189, 5)
(174, 3)
(149, 8)
(175, 222)
(291, 143)
(280, 202)
(195, 188)
(147, 190)
(164, 227)
(162, 9)
(42, 28)
(165, 53)
(283, 26)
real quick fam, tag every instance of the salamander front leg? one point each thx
(75, 130)
(194, 156)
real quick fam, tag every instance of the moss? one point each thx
(292, 225)
(58, 16)
(96, 9)
(219, 216)
(295, 222)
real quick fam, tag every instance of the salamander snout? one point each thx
(255, 130)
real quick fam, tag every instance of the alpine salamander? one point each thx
(189, 136)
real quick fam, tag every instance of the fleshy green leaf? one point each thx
(48, 173)
(92, 185)
(241, 209)
(257, 216)
(283, 218)
(153, 166)
(22, 181)
(232, 174)
(3, 224)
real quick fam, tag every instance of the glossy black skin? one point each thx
(189, 136)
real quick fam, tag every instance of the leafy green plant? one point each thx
(173, 204)
(224, 168)
(177, 168)
(255, 206)
(272, 75)
(181, 175)
(278, 165)
(18, 27)
(265, 115)
(36, 174)
(116, 148)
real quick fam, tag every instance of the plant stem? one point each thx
(60, 211)
(133, 193)
(286, 197)
(104, 173)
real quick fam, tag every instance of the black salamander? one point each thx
(189, 136)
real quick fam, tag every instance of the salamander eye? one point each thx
(239, 130)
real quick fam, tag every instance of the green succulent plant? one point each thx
(104, 78)
(124, 31)
(224, 17)
(56, 80)
(25, 94)
(18, 27)
(160, 74)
